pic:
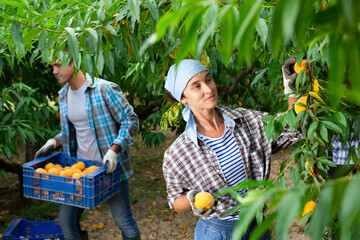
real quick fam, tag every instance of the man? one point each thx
(97, 123)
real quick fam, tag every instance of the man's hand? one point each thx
(110, 159)
(199, 212)
(48, 147)
(289, 75)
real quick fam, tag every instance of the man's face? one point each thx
(63, 75)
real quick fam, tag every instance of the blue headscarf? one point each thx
(176, 81)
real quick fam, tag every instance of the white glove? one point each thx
(289, 75)
(110, 159)
(48, 147)
(199, 212)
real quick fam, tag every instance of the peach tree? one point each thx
(245, 43)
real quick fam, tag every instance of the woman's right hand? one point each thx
(200, 212)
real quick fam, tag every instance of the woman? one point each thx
(219, 148)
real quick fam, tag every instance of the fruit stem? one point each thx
(310, 79)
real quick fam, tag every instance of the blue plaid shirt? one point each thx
(111, 118)
(340, 153)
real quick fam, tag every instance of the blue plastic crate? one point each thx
(33, 230)
(86, 192)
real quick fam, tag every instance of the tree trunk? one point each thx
(14, 168)
(31, 149)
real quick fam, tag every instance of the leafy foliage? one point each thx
(22, 119)
(245, 42)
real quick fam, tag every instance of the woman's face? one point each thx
(200, 92)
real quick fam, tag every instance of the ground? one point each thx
(148, 202)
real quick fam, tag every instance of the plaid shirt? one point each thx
(340, 153)
(111, 118)
(188, 166)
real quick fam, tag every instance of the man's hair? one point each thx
(66, 50)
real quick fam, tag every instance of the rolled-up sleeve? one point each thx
(124, 115)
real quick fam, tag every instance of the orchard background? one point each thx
(244, 43)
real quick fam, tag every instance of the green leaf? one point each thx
(339, 116)
(232, 210)
(21, 134)
(189, 42)
(6, 118)
(30, 35)
(262, 227)
(347, 6)
(111, 29)
(290, 117)
(262, 29)
(295, 178)
(134, 8)
(26, 3)
(17, 35)
(321, 215)
(282, 182)
(1, 66)
(34, 55)
(169, 19)
(244, 38)
(19, 109)
(323, 132)
(267, 118)
(287, 210)
(100, 62)
(327, 162)
(89, 65)
(289, 17)
(152, 6)
(300, 79)
(312, 128)
(251, 8)
(332, 126)
(209, 31)
(269, 130)
(337, 68)
(50, 14)
(246, 216)
(42, 40)
(227, 37)
(111, 66)
(7, 152)
(303, 20)
(91, 40)
(36, 103)
(3, 174)
(73, 46)
(276, 34)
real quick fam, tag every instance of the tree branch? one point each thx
(144, 112)
(11, 167)
(234, 86)
(14, 168)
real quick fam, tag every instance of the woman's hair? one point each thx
(170, 98)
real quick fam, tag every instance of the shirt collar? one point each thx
(89, 82)
(191, 131)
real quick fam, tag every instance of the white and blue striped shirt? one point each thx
(230, 160)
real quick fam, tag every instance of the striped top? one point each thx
(230, 160)
(188, 165)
